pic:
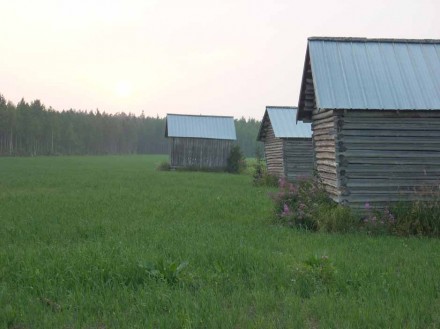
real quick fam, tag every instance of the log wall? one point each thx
(382, 156)
(388, 156)
(199, 152)
(298, 158)
(324, 127)
(273, 152)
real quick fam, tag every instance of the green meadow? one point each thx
(110, 242)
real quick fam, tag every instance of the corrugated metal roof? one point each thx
(283, 121)
(388, 74)
(200, 126)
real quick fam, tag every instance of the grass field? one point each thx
(77, 233)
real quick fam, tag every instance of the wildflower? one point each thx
(292, 188)
(367, 206)
(389, 216)
(282, 182)
(286, 211)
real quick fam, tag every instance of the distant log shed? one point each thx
(374, 105)
(287, 144)
(199, 141)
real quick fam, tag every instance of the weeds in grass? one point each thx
(405, 218)
(169, 272)
(333, 217)
(378, 221)
(314, 275)
(54, 306)
(418, 218)
(9, 316)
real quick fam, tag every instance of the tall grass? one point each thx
(76, 233)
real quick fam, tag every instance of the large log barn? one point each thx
(374, 107)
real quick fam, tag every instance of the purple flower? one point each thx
(292, 188)
(286, 211)
(367, 206)
(282, 182)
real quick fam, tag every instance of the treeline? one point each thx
(30, 129)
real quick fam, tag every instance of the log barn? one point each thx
(288, 146)
(374, 105)
(199, 141)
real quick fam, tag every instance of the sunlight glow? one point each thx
(124, 89)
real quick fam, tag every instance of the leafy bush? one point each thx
(378, 221)
(405, 218)
(260, 176)
(299, 205)
(336, 218)
(417, 218)
(314, 275)
(236, 162)
(164, 166)
(306, 205)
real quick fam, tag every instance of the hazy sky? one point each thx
(228, 57)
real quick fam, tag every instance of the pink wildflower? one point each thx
(286, 210)
(292, 187)
(282, 182)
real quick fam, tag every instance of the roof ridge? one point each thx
(201, 115)
(281, 107)
(360, 39)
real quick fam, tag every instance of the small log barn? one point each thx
(374, 105)
(199, 141)
(288, 146)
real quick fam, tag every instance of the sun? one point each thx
(123, 89)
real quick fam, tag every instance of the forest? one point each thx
(31, 129)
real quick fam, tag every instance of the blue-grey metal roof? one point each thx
(200, 126)
(383, 74)
(283, 121)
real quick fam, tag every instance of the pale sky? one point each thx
(228, 57)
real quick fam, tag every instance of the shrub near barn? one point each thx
(236, 162)
(306, 205)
